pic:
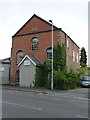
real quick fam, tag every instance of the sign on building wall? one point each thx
(27, 63)
(1, 69)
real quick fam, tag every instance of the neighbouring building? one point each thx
(5, 71)
(32, 43)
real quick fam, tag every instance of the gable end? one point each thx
(30, 20)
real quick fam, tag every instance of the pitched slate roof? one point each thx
(5, 61)
(33, 59)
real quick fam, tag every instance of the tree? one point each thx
(83, 59)
(59, 57)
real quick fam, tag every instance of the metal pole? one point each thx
(52, 56)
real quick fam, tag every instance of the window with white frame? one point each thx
(77, 58)
(49, 53)
(73, 55)
(35, 42)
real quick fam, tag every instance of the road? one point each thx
(66, 104)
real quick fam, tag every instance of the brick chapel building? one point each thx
(33, 39)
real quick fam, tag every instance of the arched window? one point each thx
(35, 42)
(19, 55)
(49, 53)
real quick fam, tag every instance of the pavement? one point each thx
(26, 89)
(45, 91)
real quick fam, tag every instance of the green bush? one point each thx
(59, 80)
(62, 79)
(72, 80)
(83, 71)
(40, 77)
(68, 80)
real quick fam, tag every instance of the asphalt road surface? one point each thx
(66, 104)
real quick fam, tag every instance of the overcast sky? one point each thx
(70, 15)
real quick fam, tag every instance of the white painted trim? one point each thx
(25, 58)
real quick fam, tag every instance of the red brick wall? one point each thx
(72, 65)
(24, 43)
(35, 25)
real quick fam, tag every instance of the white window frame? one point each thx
(35, 43)
(77, 58)
(49, 53)
(73, 55)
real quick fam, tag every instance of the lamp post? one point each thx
(52, 56)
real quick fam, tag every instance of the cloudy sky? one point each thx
(70, 15)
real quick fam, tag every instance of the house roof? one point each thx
(33, 59)
(5, 61)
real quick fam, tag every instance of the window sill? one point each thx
(34, 51)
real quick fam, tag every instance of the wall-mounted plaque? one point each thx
(27, 63)
(34, 28)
